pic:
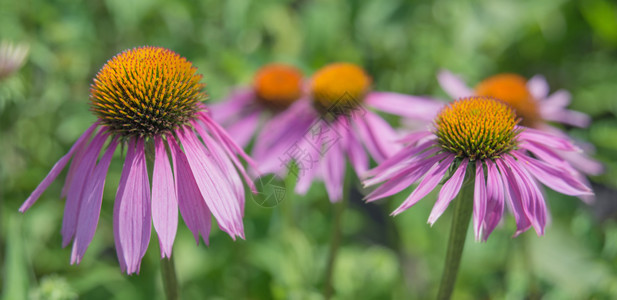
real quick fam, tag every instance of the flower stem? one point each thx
(170, 281)
(335, 241)
(463, 207)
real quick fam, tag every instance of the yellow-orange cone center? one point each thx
(339, 87)
(146, 91)
(277, 86)
(512, 89)
(477, 128)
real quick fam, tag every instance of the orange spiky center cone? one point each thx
(146, 91)
(339, 87)
(477, 128)
(277, 86)
(512, 89)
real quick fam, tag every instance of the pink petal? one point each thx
(220, 197)
(480, 198)
(90, 209)
(449, 190)
(495, 202)
(334, 171)
(430, 181)
(57, 168)
(132, 210)
(517, 196)
(236, 104)
(404, 178)
(534, 207)
(164, 199)
(538, 87)
(453, 85)
(76, 188)
(404, 105)
(244, 129)
(357, 155)
(193, 207)
(566, 116)
(555, 178)
(547, 139)
(377, 136)
(558, 100)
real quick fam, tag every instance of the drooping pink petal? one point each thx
(57, 168)
(535, 206)
(415, 137)
(222, 160)
(480, 199)
(453, 85)
(90, 209)
(538, 87)
(566, 116)
(76, 190)
(334, 170)
(223, 157)
(404, 105)
(428, 183)
(558, 100)
(377, 135)
(517, 196)
(404, 178)
(449, 190)
(553, 177)
(357, 155)
(220, 198)
(164, 199)
(76, 161)
(547, 139)
(235, 105)
(132, 209)
(403, 166)
(495, 201)
(244, 129)
(192, 205)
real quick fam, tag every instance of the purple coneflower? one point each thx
(479, 136)
(275, 87)
(533, 104)
(148, 100)
(331, 123)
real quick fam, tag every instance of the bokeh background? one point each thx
(402, 44)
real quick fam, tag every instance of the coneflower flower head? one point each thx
(277, 86)
(149, 97)
(339, 88)
(480, 134)
(532, 103)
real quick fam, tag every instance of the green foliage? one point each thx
(402, 44)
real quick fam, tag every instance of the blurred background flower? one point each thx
(402, 45)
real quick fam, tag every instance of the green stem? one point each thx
(463, 207)
(170, 281)
(335, 243)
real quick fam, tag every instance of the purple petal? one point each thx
(132, 210)
(449, 190)
(453, 85)
(220, 197)
(243, 130)
(404, 178)
(76, 188)
(90, 209)
(404, 105)
(398, 165)
(164, 199)
(357, 155)
(559, 99)
(534, 207)
(517, 196)
(377, 136)
(495, 202)
(192, 205)
(538, 87)
(555, 178)
(334, 170)
(480, 198)
(232, 107)
(430, 181)
(57, 168)
(566, 116)
(547, 139)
